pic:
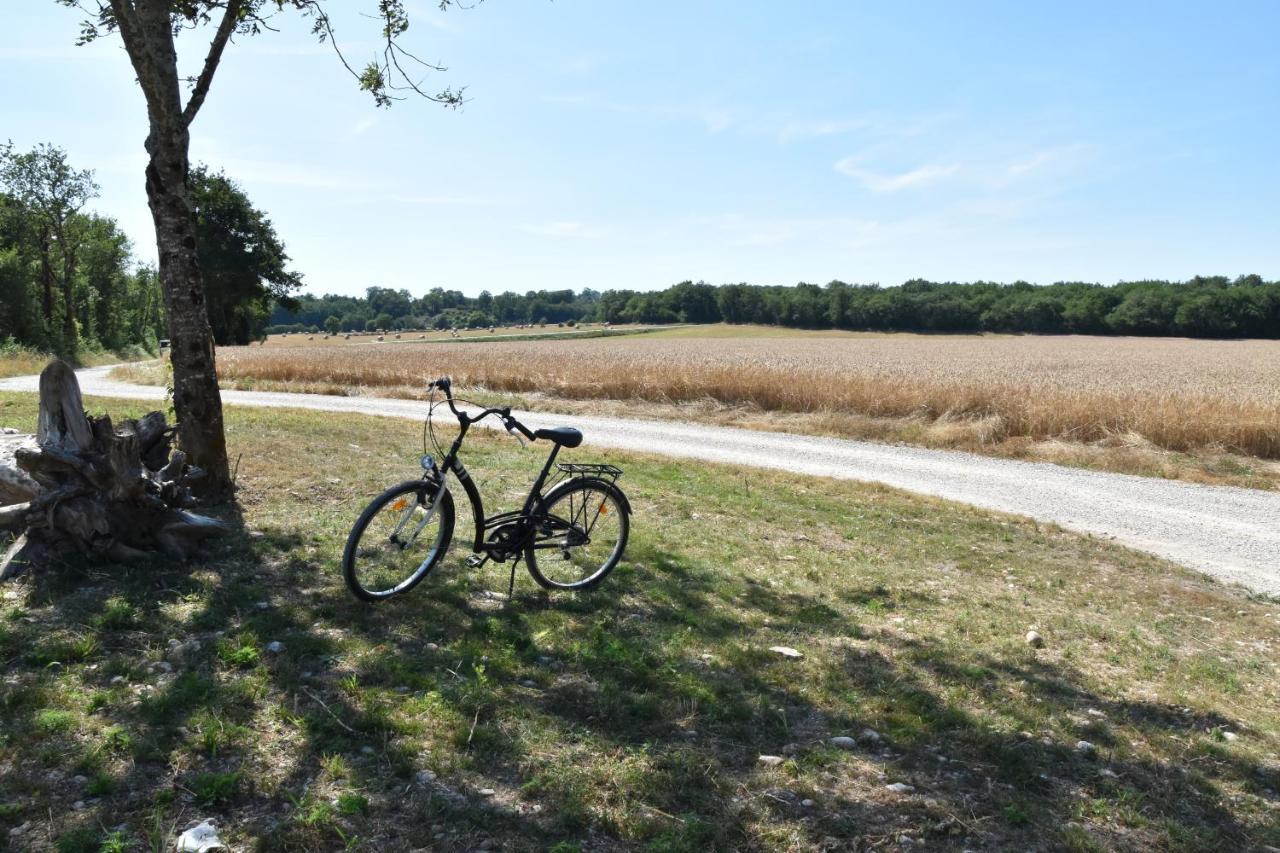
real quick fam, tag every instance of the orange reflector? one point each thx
(604, 508)
(400, 504)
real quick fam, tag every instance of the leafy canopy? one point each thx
(390, 76)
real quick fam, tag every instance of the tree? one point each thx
(148, 30)
(333, 324)
(241, 257)
(53, 192)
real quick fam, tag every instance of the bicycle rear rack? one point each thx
(590, 469)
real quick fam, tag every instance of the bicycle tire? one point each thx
(422, 492)
(546, 520)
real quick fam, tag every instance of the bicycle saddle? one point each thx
(565, 436)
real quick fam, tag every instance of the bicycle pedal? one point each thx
(475, 561)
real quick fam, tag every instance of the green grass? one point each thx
(633, 717)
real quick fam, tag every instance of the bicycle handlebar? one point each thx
(445, 384)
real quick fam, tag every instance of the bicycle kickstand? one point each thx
(511, 587)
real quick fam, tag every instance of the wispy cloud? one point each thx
(880, 182)
(444, 200)
(1046, 160)
(795, 131)
(738, 230)
(580, 65)
(873, 125)
(59, 53)
(562, 230)
(564, 99)
(713, 119)
(362, 125)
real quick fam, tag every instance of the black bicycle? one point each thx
(571, 537)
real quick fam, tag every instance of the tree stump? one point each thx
(83, 485)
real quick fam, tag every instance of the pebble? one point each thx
(425, 777)
(1034, 640)
(1085, 747)
(275, 647)
(771, 760)
(433, 647)
(900, 788)
(786, 652)
(808, 804)
(486, 792)
(367, 750)
(78, 805)
(118, 679)
(528, 682)
(869, 736)
(844, 742)
(1229, 736)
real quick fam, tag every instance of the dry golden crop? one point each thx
(1178, 394)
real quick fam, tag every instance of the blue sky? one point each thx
(636, 144)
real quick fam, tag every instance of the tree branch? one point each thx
(137, 49)
(230, 17)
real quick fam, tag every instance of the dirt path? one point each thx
(1230, 533)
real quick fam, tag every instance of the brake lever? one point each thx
(518, 436)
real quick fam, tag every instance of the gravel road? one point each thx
(1230, 533)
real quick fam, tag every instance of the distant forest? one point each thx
(1205, 306)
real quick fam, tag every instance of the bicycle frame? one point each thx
(438, 475)
(483, 524)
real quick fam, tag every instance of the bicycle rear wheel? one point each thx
(580, 533)
(394, 543)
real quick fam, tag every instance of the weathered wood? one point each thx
(62, 424)
(16, 485)
(86, 485)
(14, 517)
(14, 558)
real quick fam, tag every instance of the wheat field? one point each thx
(1178, 394)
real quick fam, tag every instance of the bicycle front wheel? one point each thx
(397, 540)
(580, 533)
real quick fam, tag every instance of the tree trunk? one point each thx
(70, 335)
(196, 399)
(46, 280)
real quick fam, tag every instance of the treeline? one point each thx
(68, 282)
(1205, 306)
(384, 308)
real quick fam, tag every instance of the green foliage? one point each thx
(213, 788)
(67, 278)
(239, 651)
(243, 261)
(79, 841)
(353, 804)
